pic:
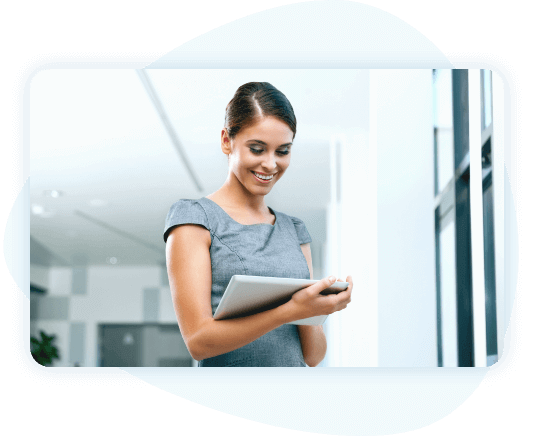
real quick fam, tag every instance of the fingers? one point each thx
(322, 284)
(339, 299)
(326, 282)
(337, 302)
(349, 288)
(344, 297)
(349, 281)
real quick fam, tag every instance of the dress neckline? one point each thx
(245, 225)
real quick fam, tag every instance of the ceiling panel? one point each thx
(96, 136)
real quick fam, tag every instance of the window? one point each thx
(452, 164)
(452, 219)
(486, 105)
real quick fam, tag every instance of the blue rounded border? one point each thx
(512, 159)
(21, 170)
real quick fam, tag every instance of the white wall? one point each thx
(114, 295)
(382, 230)
(39, 275)
(407, 331)
(53, 280)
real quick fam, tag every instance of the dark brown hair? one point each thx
(254, 100)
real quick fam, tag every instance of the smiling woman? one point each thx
(232, 231)
(258, 156)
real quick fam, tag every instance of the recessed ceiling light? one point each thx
(41, 211)
(112, 260)
(53, 193)
(37, 209)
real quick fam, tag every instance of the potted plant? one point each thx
(44, 351)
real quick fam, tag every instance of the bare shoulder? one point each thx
(189, 271)
(188, 254)
(189, 235)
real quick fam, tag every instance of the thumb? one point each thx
(324, 283)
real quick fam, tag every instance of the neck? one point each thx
(232, 194)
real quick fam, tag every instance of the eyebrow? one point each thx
(259, 141)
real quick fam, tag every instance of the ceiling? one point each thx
(96, 136)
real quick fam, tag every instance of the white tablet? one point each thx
(246, 295)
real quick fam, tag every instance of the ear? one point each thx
(225, 142)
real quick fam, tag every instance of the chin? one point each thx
(259, 191)
(253, 188)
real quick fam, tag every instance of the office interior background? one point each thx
(398, 175)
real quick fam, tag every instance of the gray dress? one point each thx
(258, 250)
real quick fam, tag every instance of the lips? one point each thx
(263, 178)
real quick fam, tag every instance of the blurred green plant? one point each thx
(44, 351)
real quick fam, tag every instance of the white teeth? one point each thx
(259, 176)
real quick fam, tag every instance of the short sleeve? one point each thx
(185, 212)
(302, 232)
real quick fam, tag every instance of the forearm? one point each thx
(313, 343)
(215, 337)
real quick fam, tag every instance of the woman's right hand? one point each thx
(310, 302)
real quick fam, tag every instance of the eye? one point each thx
(259, 150)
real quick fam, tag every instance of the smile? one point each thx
(263, 178)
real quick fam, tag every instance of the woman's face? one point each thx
(259, 154)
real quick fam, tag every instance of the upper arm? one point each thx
(189, 270)
(306, 250)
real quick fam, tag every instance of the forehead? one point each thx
(269, 130)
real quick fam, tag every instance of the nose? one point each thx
(269, 162)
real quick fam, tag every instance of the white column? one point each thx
(358, 252)
(368, 239)
(352, 248)
(332, 326)
(352, 334)
(477, 222)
